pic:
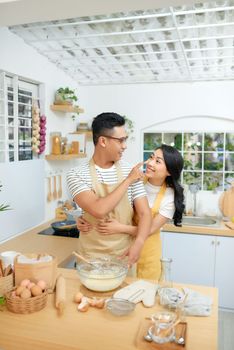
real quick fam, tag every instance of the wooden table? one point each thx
(95, 329)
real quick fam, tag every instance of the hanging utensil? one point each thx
(60, 192)
(55, 193)
(49, 194)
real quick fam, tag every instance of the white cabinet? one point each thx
(202, 259)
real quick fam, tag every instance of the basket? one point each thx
(26, 306)
(6, 284)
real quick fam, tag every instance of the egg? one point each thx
(42, 284)
(24, 283)
(77, 297)
(19, 290)
(30, 285)
(36, 290)
(25, 294)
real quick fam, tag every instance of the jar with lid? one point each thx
(55, 143)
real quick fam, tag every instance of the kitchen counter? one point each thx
(220, 230)
(31, 241)
(94, 329)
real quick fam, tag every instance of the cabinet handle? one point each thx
(218, 242)
(212, 242)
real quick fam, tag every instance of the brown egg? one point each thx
(30, 285)
(42, 284)
(25, 294)
(24, 283)
(77, 297)
(36, 290)
(19, 290)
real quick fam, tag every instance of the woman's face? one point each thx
(156, 167)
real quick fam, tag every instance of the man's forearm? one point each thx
(144, 226)
(109, 202)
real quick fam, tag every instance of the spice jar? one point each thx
(56, 143)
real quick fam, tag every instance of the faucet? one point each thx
(194, 188)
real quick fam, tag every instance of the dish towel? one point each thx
(196, 304)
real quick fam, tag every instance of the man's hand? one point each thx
(133, 252)
(83, 225)
(136, 173)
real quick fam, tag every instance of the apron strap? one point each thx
(158, 199)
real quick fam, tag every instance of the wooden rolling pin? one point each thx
(60, 298)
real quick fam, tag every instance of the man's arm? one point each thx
(143, 229)
(99, 207)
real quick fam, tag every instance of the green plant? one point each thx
(67, 94)
(129, 126)
(4, 207)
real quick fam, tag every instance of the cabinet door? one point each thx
(193, 257)
(224, 280)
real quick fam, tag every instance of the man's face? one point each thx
(116, 143)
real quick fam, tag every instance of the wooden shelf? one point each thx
(88, 133)
(64, 156)
(66, 109)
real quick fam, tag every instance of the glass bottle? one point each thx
(165, 280)
(56, 143)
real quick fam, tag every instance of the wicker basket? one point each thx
(6, 284)
(26, 306)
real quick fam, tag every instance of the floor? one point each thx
(226, 330)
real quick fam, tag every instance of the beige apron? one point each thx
(149, 265)
(96, 244)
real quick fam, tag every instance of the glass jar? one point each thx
(55, 143)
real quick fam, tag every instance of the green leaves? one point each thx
(2, 206)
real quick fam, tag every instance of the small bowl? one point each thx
(103, 275)
(162, 321)
(120, 307)
(157, 337)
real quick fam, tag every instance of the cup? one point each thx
(8, 258)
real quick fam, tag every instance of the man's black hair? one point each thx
(104, 123)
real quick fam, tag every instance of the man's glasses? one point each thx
(120, 139)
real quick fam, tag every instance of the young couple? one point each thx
(117, 219)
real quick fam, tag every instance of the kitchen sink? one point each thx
(68, 263)
(198, 221)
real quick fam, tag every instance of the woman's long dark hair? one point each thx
(174, 164)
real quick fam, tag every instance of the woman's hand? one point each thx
(136, 173)
(109, 227)
(83, 225)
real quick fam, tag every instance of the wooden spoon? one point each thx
(55, 193)
(84, 259)
(60, 192)
(49, 195)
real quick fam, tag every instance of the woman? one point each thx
(165, 196)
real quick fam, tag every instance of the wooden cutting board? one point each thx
(226, 202)
(142, 344)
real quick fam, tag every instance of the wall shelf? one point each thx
(88, 133)
(65, 156)
(66, 109)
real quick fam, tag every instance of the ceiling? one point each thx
(171, 44)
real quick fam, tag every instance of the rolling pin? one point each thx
(60, 297)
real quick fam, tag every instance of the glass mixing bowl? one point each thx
(120, 307)
(102, 274)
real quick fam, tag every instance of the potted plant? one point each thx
(4, 207)
(65, 96)
(129, 127)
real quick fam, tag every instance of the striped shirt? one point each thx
(79, 180)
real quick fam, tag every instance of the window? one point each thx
(208, 157)
(17, 96)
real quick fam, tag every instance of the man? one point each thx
(106, 188)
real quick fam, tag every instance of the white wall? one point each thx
(146, 104)
(18, 58)
(206, 106)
